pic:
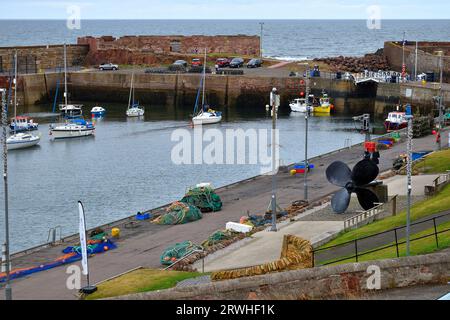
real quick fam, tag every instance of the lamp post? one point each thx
(261, 39)
(5, 248)
(403, 56)
(408, 117)
(440, 54)
(275, 103)
(305, 175)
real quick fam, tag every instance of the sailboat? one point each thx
(69, 111)
(133, 110)
(19, 140)
(76, 126)
(204, 114)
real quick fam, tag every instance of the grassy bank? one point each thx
(439, 203)
(417, 247)
(437, 162)
(141, 280)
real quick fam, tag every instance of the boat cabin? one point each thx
(396, 117)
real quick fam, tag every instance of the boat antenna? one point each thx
(204, 78)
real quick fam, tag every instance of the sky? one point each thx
(225, 9)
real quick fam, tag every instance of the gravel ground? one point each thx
(194, 281)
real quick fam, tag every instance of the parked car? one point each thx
(223, 62)
(236, 63)
(196, 62)
(254, 63)
(181, 62)
(108, 66)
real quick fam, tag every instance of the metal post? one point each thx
(396, 242)
(274, 102)
(440, 53)
(8, 291)
(305, 175)
(403, 55)
(356, 250)
(435, 232)
(261, 40)
(409, 117)
(415, 62)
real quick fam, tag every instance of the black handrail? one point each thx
(397, 243)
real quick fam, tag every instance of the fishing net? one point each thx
(179, 213)
(218, 236)
(203, 198)
(175, 252)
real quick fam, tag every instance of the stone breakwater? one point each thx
(372, 62)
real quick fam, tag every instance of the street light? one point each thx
(440, 54)
(308, 110)
(5, 249)
(275, 103)
(260, 39)
(409, 117)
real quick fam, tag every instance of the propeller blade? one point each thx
(338, 173)
(366, 198)
(340, 201)
(364, 172)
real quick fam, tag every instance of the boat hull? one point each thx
(392, 126)
(23, 144)
(322, 110)
(67, 134)
(206, 120)
(298, 108)
(135, 112)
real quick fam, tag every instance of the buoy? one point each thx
(173, 259)
(293, 172)
(115, 232)
(105, 248)
(166, 258)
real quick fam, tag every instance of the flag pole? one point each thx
(83, 244)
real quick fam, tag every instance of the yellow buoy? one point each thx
(115, 232)
(293, 172)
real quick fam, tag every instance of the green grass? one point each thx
(437, 162)
(141, 280)
(436, 204)
(417, 247)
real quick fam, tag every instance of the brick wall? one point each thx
(36, 59)
(151, 49)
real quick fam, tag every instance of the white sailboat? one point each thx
(19, 140)
(133, 110)
(76, 127)
(205, 115)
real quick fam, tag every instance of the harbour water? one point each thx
(127, 166)
(283, 39)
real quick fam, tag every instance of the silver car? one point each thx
(108, 66)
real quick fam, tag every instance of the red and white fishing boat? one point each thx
(395, 121)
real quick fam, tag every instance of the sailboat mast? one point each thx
(131, 90)
(204, 80)
(15, 89)
(65, 75)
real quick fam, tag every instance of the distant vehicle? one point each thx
(181, 63)
(196, 62)
(348, 76)
(236, 63)
(223, 62)
(254, 63)
(108, 66)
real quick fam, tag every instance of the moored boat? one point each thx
(299, 105)
(133, 109)
(395, 121)
(324, 106)
(22, 140)
(22, 123)
(72, 129)
(98, 111)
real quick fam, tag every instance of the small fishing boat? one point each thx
(205, 114)
(71, 111)
(324, 106)
(299, 105)
(98, 111)
(134, 109)
(22, 140)
(21, 123)
(72, 129)
(395, 121)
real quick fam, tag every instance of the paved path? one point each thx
(145, 248)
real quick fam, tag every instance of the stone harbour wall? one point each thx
(152, 49)
(341, 281)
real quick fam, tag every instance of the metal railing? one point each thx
(357, 253)
(357, 220)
